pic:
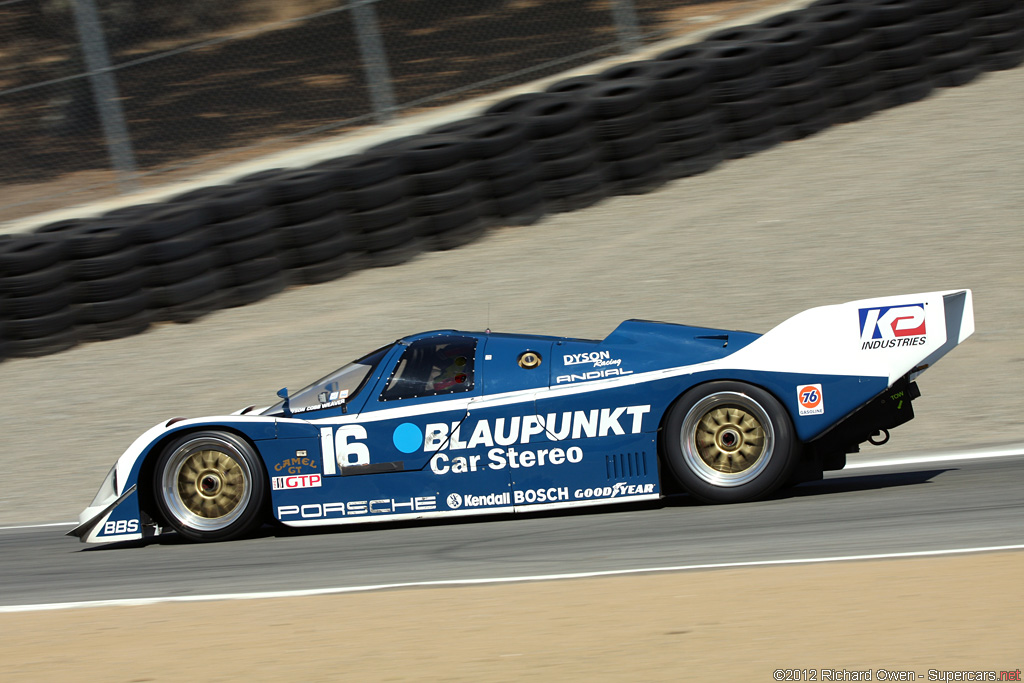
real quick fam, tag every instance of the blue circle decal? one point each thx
(408, 438)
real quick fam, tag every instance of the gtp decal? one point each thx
(299, 481)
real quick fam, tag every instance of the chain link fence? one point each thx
(100, 96)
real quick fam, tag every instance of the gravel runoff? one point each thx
(922, 197)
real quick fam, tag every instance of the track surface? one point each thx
(877, 510)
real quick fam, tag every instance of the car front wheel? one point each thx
(210, 486)
(729, 442)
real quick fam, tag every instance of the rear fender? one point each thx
(886, 337)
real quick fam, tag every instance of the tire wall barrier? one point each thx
(625, 130)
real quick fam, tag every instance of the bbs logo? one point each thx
(121, 526)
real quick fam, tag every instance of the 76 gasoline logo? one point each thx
(810, 399)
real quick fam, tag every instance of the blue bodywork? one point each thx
(522, 422)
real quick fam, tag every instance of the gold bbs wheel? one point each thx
(210, 486)
(727, 439)
(729, 442)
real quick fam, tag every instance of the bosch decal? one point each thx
(888, 327)
(810, 399)
(298, 481)
(549, 495)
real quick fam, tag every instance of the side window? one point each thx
(437, 365)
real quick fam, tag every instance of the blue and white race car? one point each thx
(465, 423)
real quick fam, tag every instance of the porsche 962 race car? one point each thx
(462, 423)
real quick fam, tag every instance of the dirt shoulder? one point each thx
(948, 614)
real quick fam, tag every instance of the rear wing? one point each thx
(887, 337)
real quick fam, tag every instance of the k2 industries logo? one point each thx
(889, 327)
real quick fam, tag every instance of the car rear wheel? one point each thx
(729, 442)
(210, 486)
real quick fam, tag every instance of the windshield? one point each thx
(334, 389)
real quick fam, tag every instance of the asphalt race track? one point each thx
(875, 510)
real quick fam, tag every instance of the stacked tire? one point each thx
(627, 130)
(952, 51)
(176, 270)
(36, 315)
(999, 29)
(743, 100)
(442, 190)
(688, 135)
(903, 74)
(373, 224)
(246, 249)
(505, 163)
(105, 275)
(847, 78)
(569, 169)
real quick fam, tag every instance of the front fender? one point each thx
(115, 514)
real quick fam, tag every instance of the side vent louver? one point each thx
(626, 465)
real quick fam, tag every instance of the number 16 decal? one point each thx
(339, 452)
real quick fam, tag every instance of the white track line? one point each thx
(37, 526)
(510, 579)
(915, 460)
(928, 459)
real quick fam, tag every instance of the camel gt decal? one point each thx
(810, 398)
(889, 327)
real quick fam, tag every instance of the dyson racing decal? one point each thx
(602, 362)
(888, 327)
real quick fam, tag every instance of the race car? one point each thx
(448, 423)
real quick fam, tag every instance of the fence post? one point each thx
(104, 90)
(626, 25)
(375, 59)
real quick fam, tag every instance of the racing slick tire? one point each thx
(729, 442)
(210, 486)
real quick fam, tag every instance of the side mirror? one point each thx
(285, 407)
